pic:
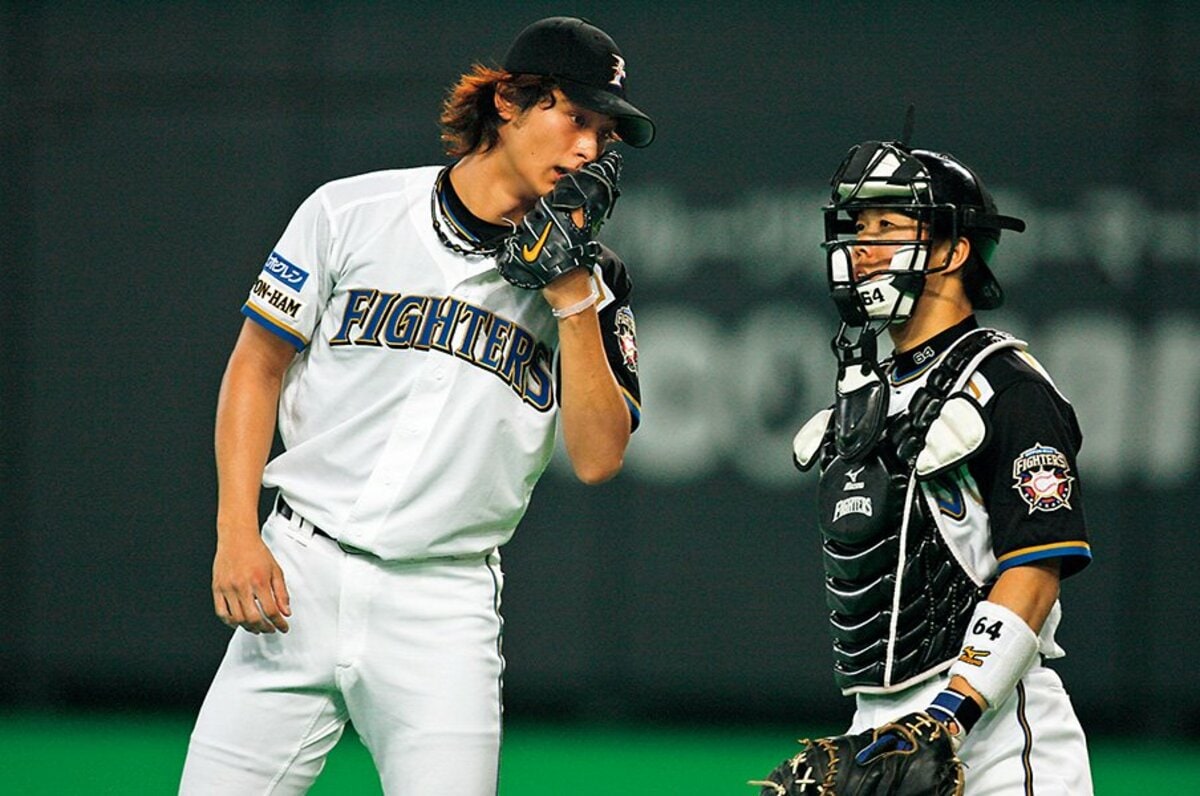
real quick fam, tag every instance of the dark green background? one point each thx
(152, 154)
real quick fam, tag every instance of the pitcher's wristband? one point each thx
(575, 309)
(997, 651)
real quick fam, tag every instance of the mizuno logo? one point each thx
(973, 656)
(532, 254)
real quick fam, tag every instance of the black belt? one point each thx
(287, 513)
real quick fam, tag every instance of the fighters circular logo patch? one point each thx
(1042, 477)
(626, 330)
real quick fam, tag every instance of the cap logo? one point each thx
(618, 71)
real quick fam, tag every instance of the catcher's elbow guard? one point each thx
(998, 650)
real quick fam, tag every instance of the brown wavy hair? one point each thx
(469, 119)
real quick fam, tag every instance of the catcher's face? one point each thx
(550, 139)
(881, 233)
(878, 234)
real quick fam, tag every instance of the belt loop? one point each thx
(298, 528)
(305, 529)
(284, 510)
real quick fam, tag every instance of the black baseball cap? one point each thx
(588, 67)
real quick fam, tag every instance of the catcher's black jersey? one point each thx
(1025, 476)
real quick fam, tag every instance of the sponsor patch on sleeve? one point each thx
(1042, 477)
(286, 273)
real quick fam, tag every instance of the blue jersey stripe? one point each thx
(635, 409)
(1038, 554)
(275, 327)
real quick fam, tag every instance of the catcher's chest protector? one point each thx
(898, 599)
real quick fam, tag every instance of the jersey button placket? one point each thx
(414, 426)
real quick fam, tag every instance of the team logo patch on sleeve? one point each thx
(627, 337)
(292, 276)
(1042, 477)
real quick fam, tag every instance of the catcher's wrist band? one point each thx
(580, 306)
(951, 706)
(997, 651)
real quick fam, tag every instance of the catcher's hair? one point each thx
(974, 276)
(469, 119)
(974, 270)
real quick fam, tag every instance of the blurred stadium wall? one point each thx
(152, 153)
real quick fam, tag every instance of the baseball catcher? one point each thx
(948, 502)
(558, 234)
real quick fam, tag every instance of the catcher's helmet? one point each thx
(947, 199)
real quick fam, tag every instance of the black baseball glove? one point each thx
(913, 756)
(558, 234)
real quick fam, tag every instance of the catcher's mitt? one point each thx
(557, 234)
(913, 756)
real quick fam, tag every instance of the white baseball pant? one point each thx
(1031, 743)
(408, 651)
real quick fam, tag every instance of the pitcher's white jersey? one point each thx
(421, 407)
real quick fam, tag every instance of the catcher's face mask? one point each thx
(880, 224)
